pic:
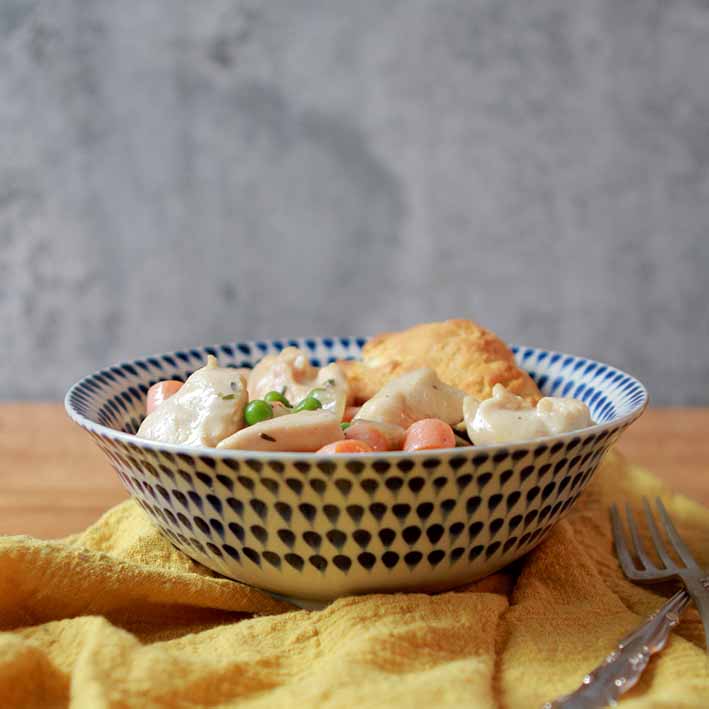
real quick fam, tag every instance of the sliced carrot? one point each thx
(161, 391)
(369, 433)
(350, 412)
(347, 446)
(427, 434)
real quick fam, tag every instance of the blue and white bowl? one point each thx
(313, 528)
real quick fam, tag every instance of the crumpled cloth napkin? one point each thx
(116, 617)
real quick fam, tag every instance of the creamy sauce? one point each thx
(393, 433)
(291, 373)
(505, 417)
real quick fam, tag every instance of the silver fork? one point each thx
(623, 667)
(695, 580)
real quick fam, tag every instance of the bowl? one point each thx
(313, 528)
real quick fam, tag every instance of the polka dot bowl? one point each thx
(312, 528)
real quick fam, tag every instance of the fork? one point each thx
(695, 580)
(623, 667)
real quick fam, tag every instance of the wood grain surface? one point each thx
(55, 481)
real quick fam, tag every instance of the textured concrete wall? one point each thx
(175, 173)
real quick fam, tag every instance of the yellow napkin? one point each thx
(116, 617)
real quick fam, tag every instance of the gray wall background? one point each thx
(176, 173)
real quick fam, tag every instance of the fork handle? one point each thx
(622, 668)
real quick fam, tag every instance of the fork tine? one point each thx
(674, 537)
(621, 546)
(639, 549)
(660, 548)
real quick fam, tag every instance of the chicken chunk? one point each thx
(562, 414)
(207, 408)
(306, 431)
(505, 417)
(289, 372)
(413, 396)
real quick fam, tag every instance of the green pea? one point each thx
(277, 396)
(345, 425)
(326, 396)
(257, 411)
(310, 403)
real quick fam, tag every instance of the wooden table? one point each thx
(55, 481)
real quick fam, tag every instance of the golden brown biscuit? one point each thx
(464, 355)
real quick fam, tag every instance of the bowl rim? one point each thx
(232, 454)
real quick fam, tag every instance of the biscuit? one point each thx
(463, 354)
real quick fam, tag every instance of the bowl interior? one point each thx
(114, 398)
